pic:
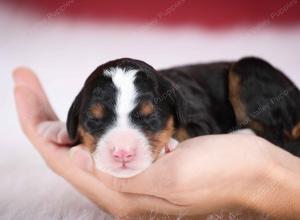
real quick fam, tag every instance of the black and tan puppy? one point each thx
(128, 113)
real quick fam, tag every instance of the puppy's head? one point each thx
(125, 114)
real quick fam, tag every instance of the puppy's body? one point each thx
(250, 93)
(205, 98)
(127, 112)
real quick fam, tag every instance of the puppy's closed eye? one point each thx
(97, 111)
(146, 108)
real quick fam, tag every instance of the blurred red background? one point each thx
(208, 13)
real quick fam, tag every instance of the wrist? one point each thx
(275, 188)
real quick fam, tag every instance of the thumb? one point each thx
(81, 158)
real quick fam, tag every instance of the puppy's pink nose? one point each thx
(123, 155)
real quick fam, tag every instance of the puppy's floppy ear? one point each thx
(175, 98)
(73, 118)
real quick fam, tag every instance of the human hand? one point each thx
(201, 176)
(49, 136)
(211, 173)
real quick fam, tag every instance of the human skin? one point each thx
(203, 175)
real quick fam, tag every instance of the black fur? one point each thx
(99, 88)
(270, 99)
(208, 109)
(204, 89)
(198, 98)
(73, 118)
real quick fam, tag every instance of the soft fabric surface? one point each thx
(63, 53)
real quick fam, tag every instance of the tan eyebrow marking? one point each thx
(146, 108)
(97, 110)
(296, 131)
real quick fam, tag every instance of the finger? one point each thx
(25, 77)
(31, 110)
(63, 137)
(81, 158)
(54, 131)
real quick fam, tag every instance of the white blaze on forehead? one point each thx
(126, 93)
(123, 135)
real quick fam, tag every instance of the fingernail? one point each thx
(81, 158)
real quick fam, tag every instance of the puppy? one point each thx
(127, 114)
